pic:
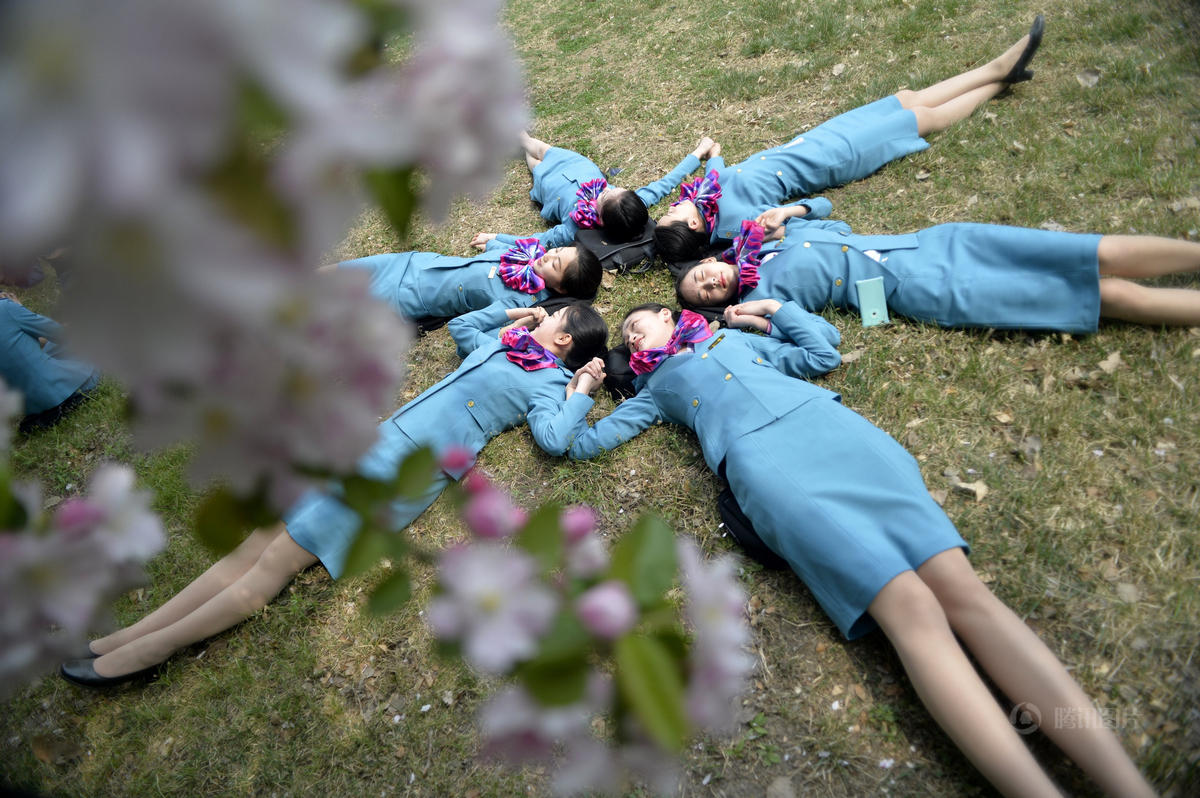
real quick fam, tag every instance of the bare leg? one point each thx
(1027, 671)
(944, 91)
(1147, 256)
(281, 560)
(952, 691)
(535, 149)
(939, 117)
(218, 577)
(1147, 304)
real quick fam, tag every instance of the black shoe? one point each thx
(1020, 71)
(83, 672)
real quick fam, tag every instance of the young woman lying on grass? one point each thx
(846, 507)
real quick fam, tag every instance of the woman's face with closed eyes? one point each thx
(710, 283)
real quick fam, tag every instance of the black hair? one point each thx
(624, 217)
(653, 307)
(677, 242)
(582, 279)
(589, 334)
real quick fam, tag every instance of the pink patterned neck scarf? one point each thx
(526, 352)
(746, 255)
(587, 208)
(704, 193)
(691, 329)
(516, 266)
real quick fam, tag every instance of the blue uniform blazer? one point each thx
(488, 394)
(420, 285)
(560, 175)
(731, 384)
(43, 375)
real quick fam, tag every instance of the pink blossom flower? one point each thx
(492, 604)
(587, 556)
(577, 522)
(607, 610)
(491, 514)
(455, 459)
(77, 517)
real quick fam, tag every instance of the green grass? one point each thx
(284, 704)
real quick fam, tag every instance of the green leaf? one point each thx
(558, 674)
(361, 494)
(393, 189)
(556, 683)
(242, 185)
(393, 594)
(369, 547)
(223, 519)
(645, 560)
(651, 686)
(542, 537)
(12, 512)
(415, 474)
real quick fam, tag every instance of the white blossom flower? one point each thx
(493, 604)
(12, 405)
(716, 613)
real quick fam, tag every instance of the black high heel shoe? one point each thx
(83, 672)
(1020, 71)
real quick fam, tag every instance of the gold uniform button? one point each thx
(739, 170)
(728, 376)
(779, 173)
(845, 248)
(695, 402)
(762, 157)
(838, 281)
(758, 360)
(460, 288)
(704, 355)
(800, 139)
(807, 243)
(471, 403)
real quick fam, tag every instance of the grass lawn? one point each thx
(1089, 528)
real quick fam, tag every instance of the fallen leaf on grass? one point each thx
(924, 174)
(1002, 417)
(1111, 363)
(977, 489)
(1188, 204)
(55, 750)
(838, 69)
(850, 357)
(939, 496)
(1128, 592)
(1088, 77)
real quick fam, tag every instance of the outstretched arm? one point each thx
(630, 418)
(561, 235)
(653, 193)
(31, 323)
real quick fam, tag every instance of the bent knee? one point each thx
(907, 98)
